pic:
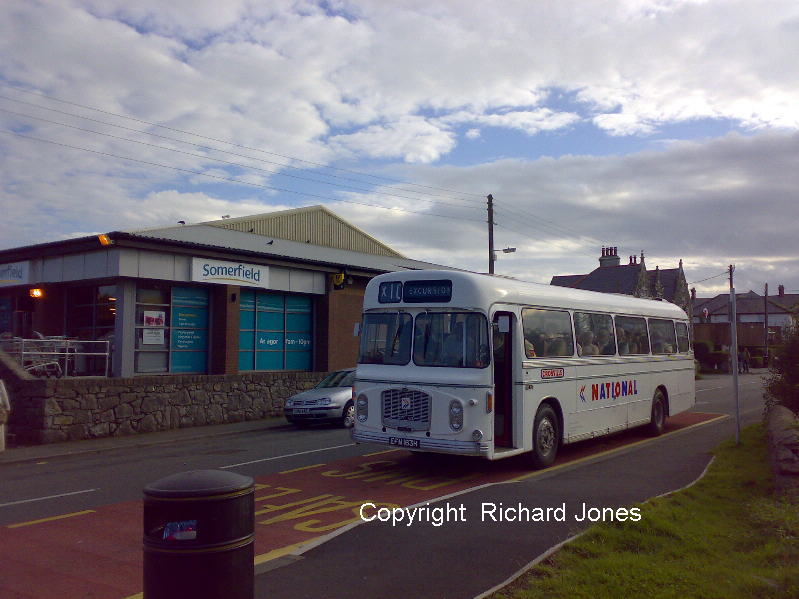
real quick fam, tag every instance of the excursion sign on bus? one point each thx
(414, 292)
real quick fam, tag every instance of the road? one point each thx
(310, 468)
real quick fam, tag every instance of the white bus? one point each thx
(470, 364)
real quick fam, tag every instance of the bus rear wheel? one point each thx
(546, 437)
(657, 422)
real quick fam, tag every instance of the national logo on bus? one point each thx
(552, 373)
(610, 390)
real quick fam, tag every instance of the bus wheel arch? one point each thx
(660, 410)
(547, 433)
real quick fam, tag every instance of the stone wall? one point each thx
(782, 426)
(52, 410)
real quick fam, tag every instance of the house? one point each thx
(632, 278)
(711, 317)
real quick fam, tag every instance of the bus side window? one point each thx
(594, 334)
(661, 333)
(632, 335)
(682, 337)
(547, 333)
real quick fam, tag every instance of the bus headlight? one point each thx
(477, 434)
(455, 415)
(362, 408)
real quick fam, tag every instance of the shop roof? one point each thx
(213, 236)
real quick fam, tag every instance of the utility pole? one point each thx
(491, 256)
(765, 322)
(734, 357)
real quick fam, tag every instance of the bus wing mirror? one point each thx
(503, 324)
(357, 329)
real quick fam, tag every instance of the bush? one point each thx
(782, 386)
(720, 360)
(702, 350)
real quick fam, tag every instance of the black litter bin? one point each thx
(199, 536)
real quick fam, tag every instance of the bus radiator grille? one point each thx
(410, 409)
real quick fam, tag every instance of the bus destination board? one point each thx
(415, 292)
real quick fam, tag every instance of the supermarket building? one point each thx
(256, 302)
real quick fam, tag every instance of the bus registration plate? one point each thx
(400, 442)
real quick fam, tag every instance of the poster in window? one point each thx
(153, 336)
(154, 318)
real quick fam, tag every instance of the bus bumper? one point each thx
(475, 448)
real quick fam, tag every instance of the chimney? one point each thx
(609, 257)
(781, 290)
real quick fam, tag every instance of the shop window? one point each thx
(91, 312)
(91, 316)
(275, 331)
(6, 311)
(171, 329)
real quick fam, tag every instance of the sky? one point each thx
(668, 127)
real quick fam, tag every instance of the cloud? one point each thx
(296, 83)
(711, 204)
(414, 139)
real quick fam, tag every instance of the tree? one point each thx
(782, 386)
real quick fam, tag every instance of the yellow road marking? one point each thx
(136, 596)
(301, 468)
(50, 519)
(276, 553)
(368, 455)
(608, 451)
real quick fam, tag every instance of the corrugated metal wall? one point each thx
(316, 227)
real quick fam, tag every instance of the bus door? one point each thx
(503, 378)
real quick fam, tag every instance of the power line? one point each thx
(553, 227)
(202, 147)
(238, 164)
(721, 274)
(557, 227)
(152, 124)
(230, 179)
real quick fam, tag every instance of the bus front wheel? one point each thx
(546, 437)
(657, 421)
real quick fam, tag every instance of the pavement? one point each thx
(68, 448)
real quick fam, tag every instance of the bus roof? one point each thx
(474, 290)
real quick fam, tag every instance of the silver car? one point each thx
(329, 401)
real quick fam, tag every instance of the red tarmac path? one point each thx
(98, 553)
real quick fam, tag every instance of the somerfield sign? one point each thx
(229, 273)
(15, 273)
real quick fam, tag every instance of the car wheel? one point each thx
(546, 437)
(657, 421)
(348, 415)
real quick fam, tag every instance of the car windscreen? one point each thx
(386, 338)
(339, 378)
(454, 339)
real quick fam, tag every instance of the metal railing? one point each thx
(59, 356)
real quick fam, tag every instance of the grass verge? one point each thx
(726, 537)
